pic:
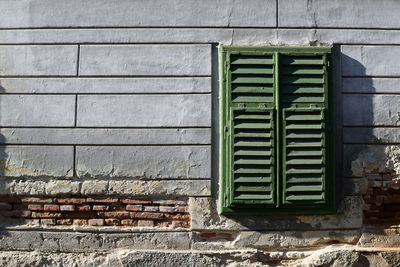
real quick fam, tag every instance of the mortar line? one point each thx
(99, 43)
(103, 76)
(108, 144)
(111, 93)
(192, 27)
(276, 13)
(107, 127)
(74, 163)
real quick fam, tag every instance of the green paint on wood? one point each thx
(276, 123)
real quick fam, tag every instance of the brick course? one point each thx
(98, 211)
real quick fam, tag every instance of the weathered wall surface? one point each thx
(109, 137)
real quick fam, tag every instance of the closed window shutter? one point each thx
(250, 123)
(276, 125)
(304, 96)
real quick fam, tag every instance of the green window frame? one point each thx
(276, 130)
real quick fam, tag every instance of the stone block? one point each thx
(191, 13)
(145, 60)
(204, 216)
(121, 187)
(38, 60)
(371, 110)
(338, 13)
(96, 222)
(160, 188)
(144, 111)
(371, 85)
(23, 110)
(36, 161)
(144, 162)
(371, 135)
(370, 60)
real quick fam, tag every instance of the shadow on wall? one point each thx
(351, 109)
(371, 152)
(3, 154)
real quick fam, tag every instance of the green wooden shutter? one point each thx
(306, 126)
(276, 130)
(249, 172)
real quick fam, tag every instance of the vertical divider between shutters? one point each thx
(229, 128)
(277, 132)
(223, 133)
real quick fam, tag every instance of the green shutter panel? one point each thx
(276, 125)
(249, 129)
(305, 127)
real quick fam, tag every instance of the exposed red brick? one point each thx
(166, 209)
(117, 207)
(96, 222)
(376, 177)
(226, 236)
(146, 215)
(134, 207)
(48, 221)
(112, 222)
(74, 201)
(183, 224)
(181, 209)
(114, 214)
(162, 223)
(169, 202)
(36, 200)
(102, 200)
(376, 170)
(388, 177)
(64, 222)
(10, 199)
(35, 207)
(208, 235)
(129, 222)
(378, 191)
(372, 200)
(100, 207)
(80, 222)
(79, 214)
(151, 208)
(67, 207)
(5, 206)
(46, 215)
(135, 201)
(83, 208)
(16, 213)
(181, 217)
(51, 207)
(394, 185)
(145, 223)
(374, 184)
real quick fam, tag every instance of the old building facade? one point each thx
(110, 114)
